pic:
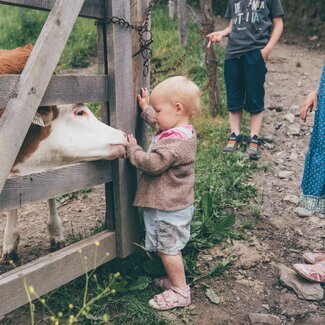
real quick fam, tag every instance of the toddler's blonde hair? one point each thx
(182, 90)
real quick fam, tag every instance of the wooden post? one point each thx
(123, 116)
(33, 82)
(211, 59)
(181, 8)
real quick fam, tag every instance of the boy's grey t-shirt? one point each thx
(252, 23)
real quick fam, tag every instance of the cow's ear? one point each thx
(38, 120)
(45, 113)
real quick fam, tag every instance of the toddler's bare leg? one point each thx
(174, 267)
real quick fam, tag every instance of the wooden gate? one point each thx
(119, 80)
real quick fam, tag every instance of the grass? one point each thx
(221, 192)
(20, 26)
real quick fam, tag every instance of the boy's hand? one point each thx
(143, 99)
(132, 139)
(310, 103)
(215, 37)
(265, 53)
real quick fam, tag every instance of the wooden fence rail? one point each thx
(91, 8)
(62, 89)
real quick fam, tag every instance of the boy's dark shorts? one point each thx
(245, 78)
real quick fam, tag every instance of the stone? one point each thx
(264, 319)
(284, 174)
(314, 320)
(291, 198)
(269, 146)
(303, 288)
(293, 130)
(289, 117)
(268, 138)
(293, 156)
(303, 213)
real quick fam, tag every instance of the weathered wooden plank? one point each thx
(90, 9)
(19, 191)
(54, 270)
(34, 80)
(139, 79)
(103, 69)
(123, 115)
(65, 89)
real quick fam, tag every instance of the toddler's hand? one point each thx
(311, 103)
(143, 99)
(214, 37)
(132, 139)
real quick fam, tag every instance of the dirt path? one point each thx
(252, 284)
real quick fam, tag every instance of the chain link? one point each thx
(144, 32)
(145, 40)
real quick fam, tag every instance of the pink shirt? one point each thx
(183, 132)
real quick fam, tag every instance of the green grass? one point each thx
(20, 26)
(221, 192)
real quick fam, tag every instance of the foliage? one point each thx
(20, 26)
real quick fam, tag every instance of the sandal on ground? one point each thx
(172, 298)
(163, 283)
(314, 257)
(315, 272)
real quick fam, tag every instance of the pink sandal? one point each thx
(163, 283)
(172, 298)
(315, 272)
(314, 257)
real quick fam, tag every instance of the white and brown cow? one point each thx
(71, 133)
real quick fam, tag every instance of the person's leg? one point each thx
(174, 267)
(255, 71)
(235, 122)
(256, 123)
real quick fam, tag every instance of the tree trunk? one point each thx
(211, 58)
(181, 8)
(171, 8)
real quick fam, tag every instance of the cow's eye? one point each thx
(81, 113)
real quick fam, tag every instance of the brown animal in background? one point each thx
(13, 61)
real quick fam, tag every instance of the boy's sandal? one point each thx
(172, 298)
(314, 257)
(315, 272)
(163, 283)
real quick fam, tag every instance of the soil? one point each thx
(251, 284)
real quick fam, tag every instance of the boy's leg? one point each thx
(234, 79)
(255, 71)
(235, 121)
(174, 267)
(256, 123)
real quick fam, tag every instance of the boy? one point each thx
(254, 29)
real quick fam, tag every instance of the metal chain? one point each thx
(145, 35)
(145, 39)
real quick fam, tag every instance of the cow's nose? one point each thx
(125, 135)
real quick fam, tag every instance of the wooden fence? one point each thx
(116, 86)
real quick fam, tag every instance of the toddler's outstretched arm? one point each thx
(310, 102)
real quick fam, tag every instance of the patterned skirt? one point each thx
(313, 182)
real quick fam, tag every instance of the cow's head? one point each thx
(71, 133)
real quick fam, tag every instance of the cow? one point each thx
(60, 135)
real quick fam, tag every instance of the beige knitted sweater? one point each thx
(167, 180)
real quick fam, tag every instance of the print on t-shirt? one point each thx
(249, 12)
